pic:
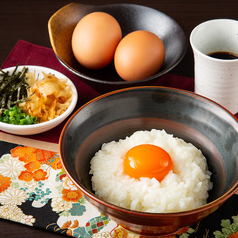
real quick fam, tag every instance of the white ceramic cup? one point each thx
(216, 79)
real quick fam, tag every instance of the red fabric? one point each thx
(26, 53)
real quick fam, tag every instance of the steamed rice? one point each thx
(184, 188)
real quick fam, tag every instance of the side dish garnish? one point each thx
(26, 99)
(50, 97)
(13, 88)
(17, 116)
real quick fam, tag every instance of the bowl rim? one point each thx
(95, 198)
(121, 82)
(66, 113)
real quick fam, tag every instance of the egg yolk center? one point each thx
(147, 160)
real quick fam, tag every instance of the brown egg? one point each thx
(95, 39)
(139, 54)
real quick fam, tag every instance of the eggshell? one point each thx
(139, 54)
(95, 39)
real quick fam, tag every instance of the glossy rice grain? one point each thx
(184, 188)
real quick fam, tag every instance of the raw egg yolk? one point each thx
(147, 160)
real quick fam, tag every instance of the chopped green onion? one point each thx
(17, 116)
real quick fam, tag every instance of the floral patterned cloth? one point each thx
(35, 191)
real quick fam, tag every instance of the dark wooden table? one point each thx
(27, 20)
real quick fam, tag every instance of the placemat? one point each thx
(35, 191)
(26, 53)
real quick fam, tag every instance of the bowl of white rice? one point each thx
(199, 136)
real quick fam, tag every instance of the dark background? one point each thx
(28, 19)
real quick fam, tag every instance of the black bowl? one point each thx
(118, 114)
(131, 17)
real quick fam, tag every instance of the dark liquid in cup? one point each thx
(223, 55)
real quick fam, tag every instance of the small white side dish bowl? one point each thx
(44, 126)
